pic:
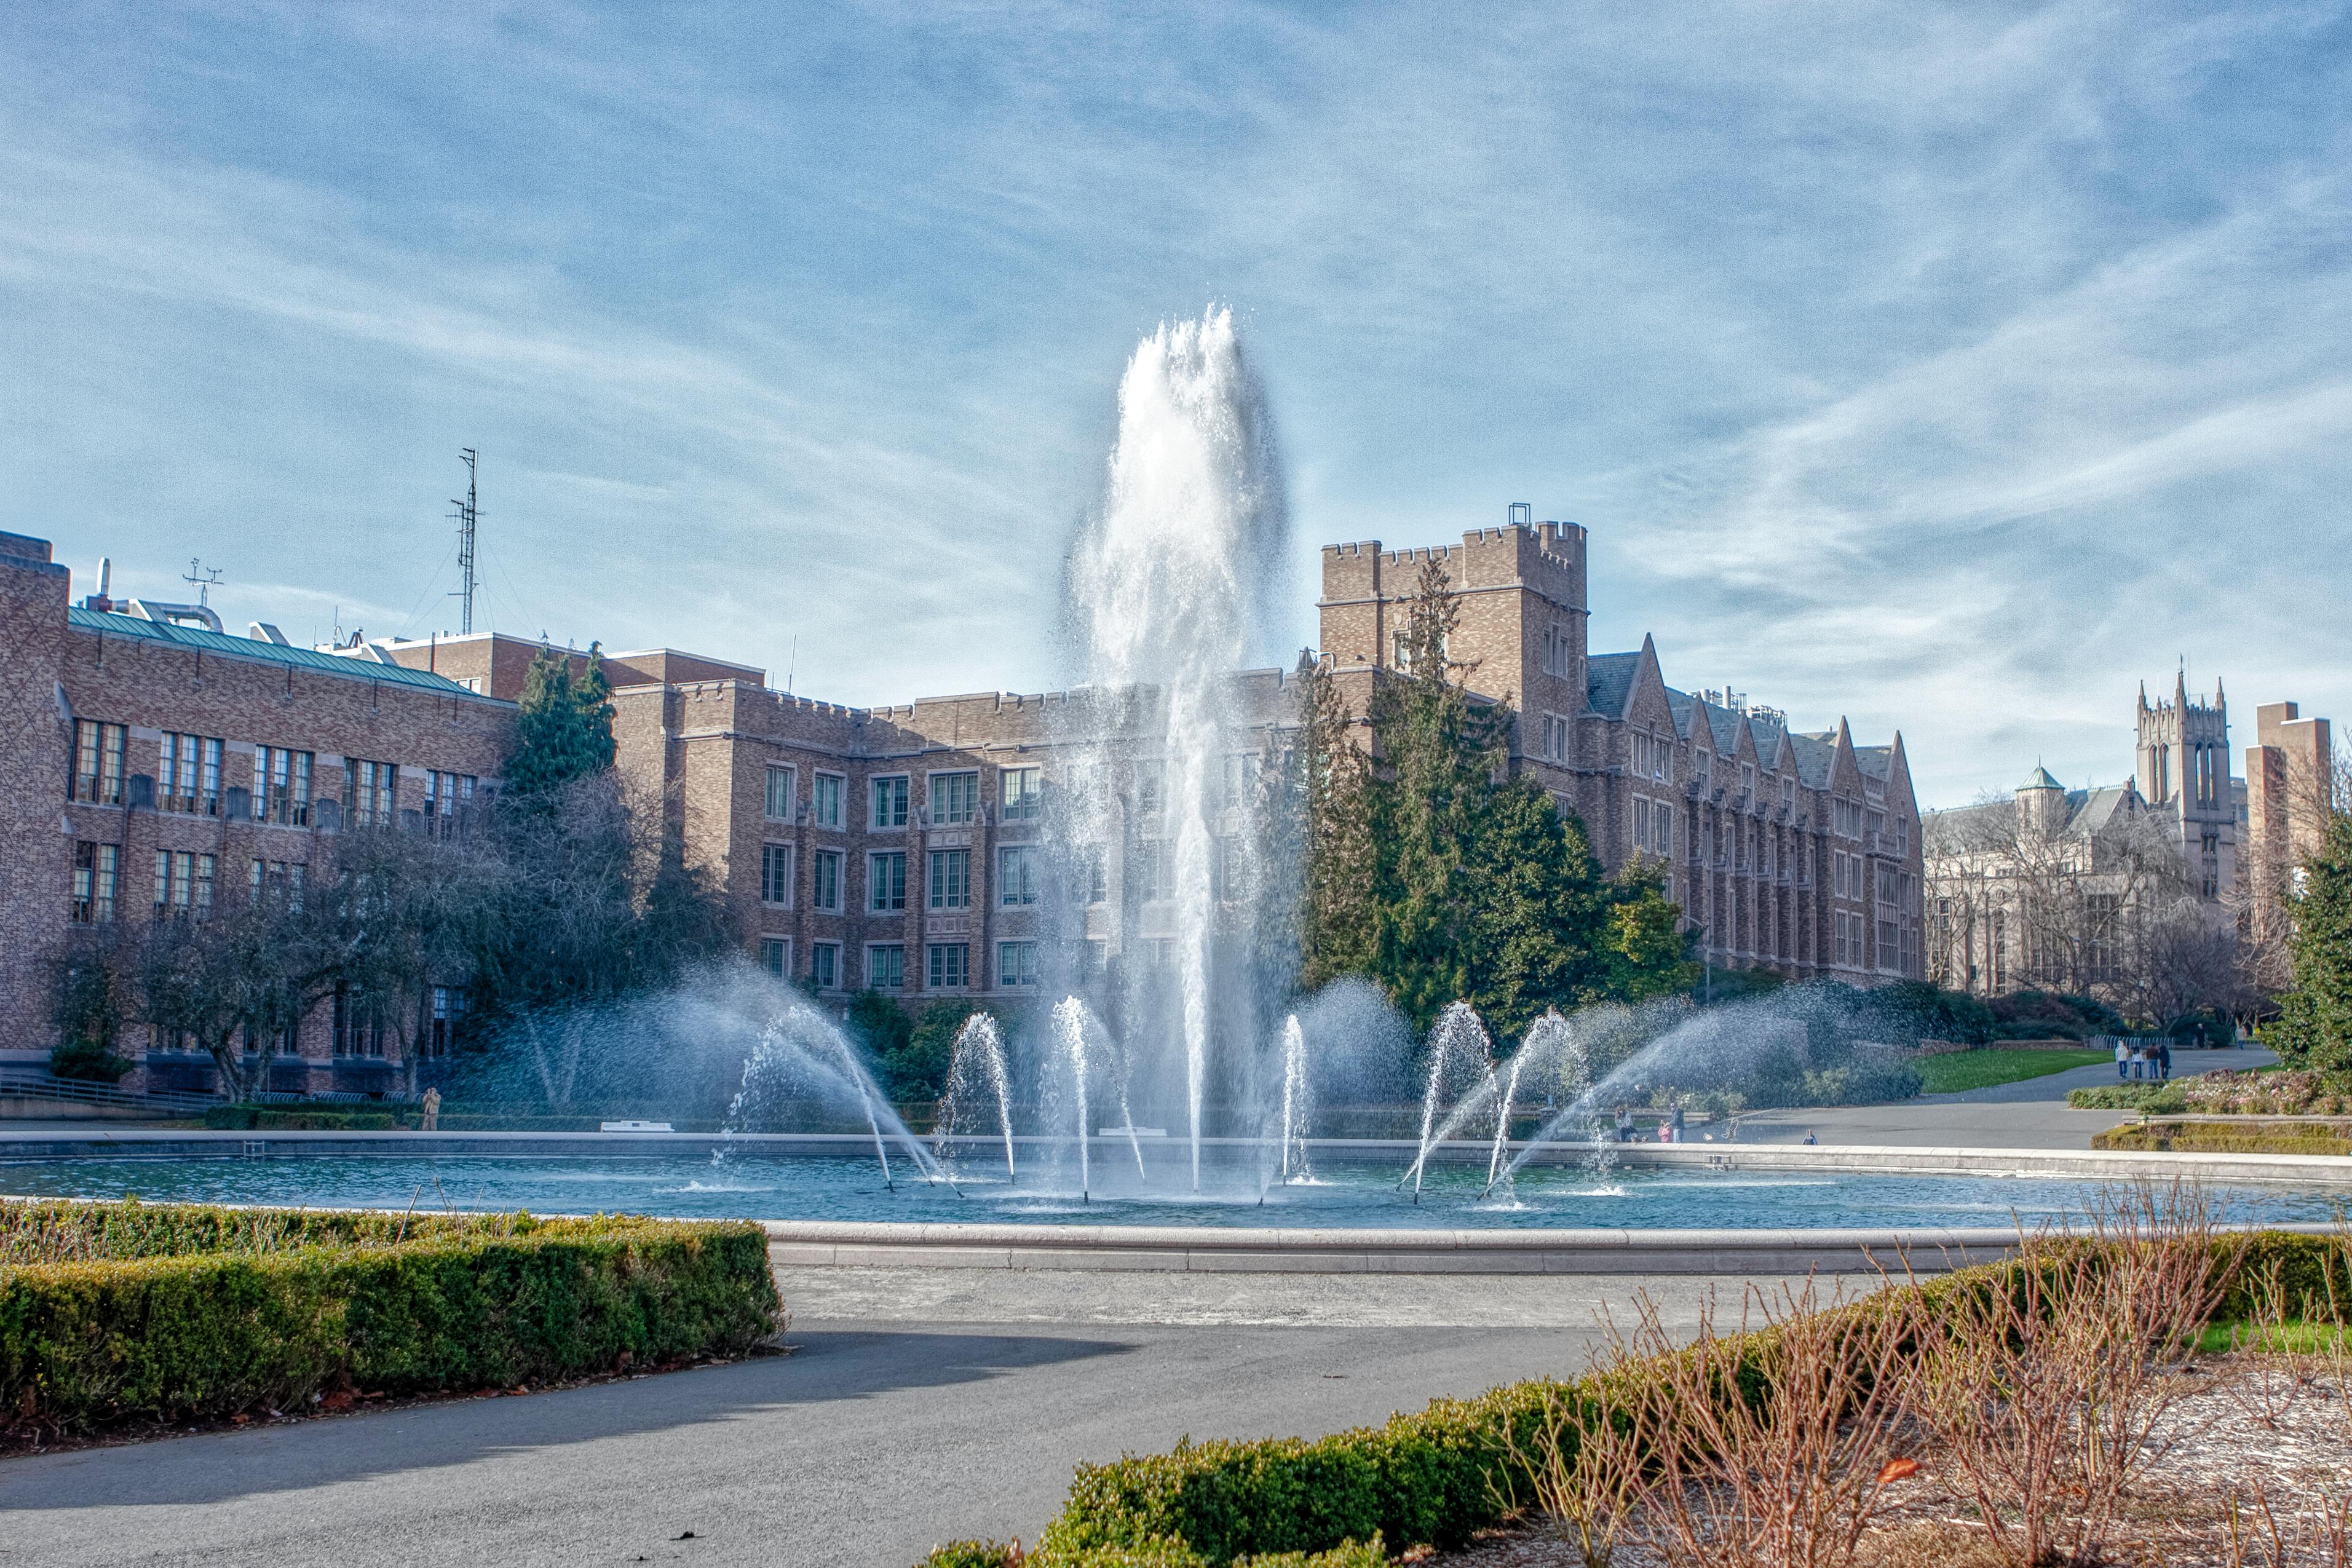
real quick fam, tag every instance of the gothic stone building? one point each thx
(896, 848)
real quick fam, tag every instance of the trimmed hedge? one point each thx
(277, 1119)
(160, 1313)
(2231, 1138)
(1455, 1469)
(1159, 1554)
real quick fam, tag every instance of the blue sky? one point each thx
(1947, 369)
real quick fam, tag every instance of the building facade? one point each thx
(151, 754)
(2183, 772)
(150, 757)
(2290, 787)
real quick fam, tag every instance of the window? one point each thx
(1016, 963)
(1641, 823)
(824, 881)
(776, 874)
(1653, 758)
(776, 956)
(360, 1028)
(1662, 828)
(1747, 782)
(1889, 944)
(885, 967)
(781, 788)
(441, 1023)
(183, 883)
(824, 966)
(1154, 869)
(886, 881)
(1240, 781)
(446, 794)
(188, 774)
(948, 965)
(1150, 785)
(1016, 875)
(889, 801)
(281, 786)
(1847, 815)
(1555, 737)
(1024, 792)
(955, 799)
(1789, 795)
(951, 879)
(93, 883)
(1097, 874)
(98, 763)
(826, 807)
(1229, 870)
(374, 788)
(279, 879)
(1702, 766)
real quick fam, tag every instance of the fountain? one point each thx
(1459, 1051)
(1166, 591)
(975, 1073)
(1065, 1085)
(800, 1049)
(1291, 1136)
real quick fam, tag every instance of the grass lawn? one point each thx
(1959, 1070)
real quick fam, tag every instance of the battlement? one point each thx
(1548, 558)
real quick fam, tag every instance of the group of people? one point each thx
(1670, 1127)
(2141, 1061)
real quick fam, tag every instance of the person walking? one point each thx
(1625, 1124)
(2164, 1060)
(1676, 1117)
(1810, 1139)
(2123, 1058)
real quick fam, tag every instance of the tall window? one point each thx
(824, 881)
(281, 786)
(1025, 791)
(1097, 874)
(97, 762)
(183, 883)
(955, 799)
(1241, 770)
(778, 805)
(1155, 870)
(441, 1023)
(375, 790)
(360, 1028)
(824, 966)
(446, 794)
(826, 805)
(889, 801)
(280, 880)
(93, 883)
(1016, 875)
(189, 775)
(886, 881)
(1149, 785)
(951, 879)
(1662, 828)
(950, 962)
(1016, 963)
(776, 874)
(776, 956)
(885, 967)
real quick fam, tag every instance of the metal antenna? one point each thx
(202, 579)
(466, 517)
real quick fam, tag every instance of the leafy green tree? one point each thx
(563, 725)
(2313, 1029)
(87, 1003)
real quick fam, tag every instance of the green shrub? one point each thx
(87, 1060)
(162, 1312)
(2229, 1137)
(2150, 1097)
(285, 1119)
(1153, 1554)
(1455, 1469)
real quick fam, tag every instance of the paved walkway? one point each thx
(875, 1440)
(2030, 1114)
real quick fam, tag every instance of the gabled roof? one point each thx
(1609, 681)
(221, 645)
(1816, 755)
(1875, 762)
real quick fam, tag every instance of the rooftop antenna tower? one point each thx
(202, 578)
(466, 517)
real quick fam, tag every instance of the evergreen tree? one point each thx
(1330, 791)
(2314, 1025)
(563, 726)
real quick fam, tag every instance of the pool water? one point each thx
(819, 1187)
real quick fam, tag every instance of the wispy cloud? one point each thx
(1948, 368)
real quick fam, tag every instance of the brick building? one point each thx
(2291, 786)
(900, 848)
(149, 756)
(2183, 772)
(1791, 851)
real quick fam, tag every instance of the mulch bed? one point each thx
(2246, 1435)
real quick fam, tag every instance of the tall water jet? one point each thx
(1166, 586)
(801, 1052)
(1294, 1107)
(976, 1077)
(1067, 1104)
(1460, 1053)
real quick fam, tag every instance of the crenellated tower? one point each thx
(2184, 774)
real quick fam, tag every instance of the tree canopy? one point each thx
(1442, 875)
(563, 725)
(2313, 1029)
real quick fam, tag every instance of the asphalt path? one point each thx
(871, 1442)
